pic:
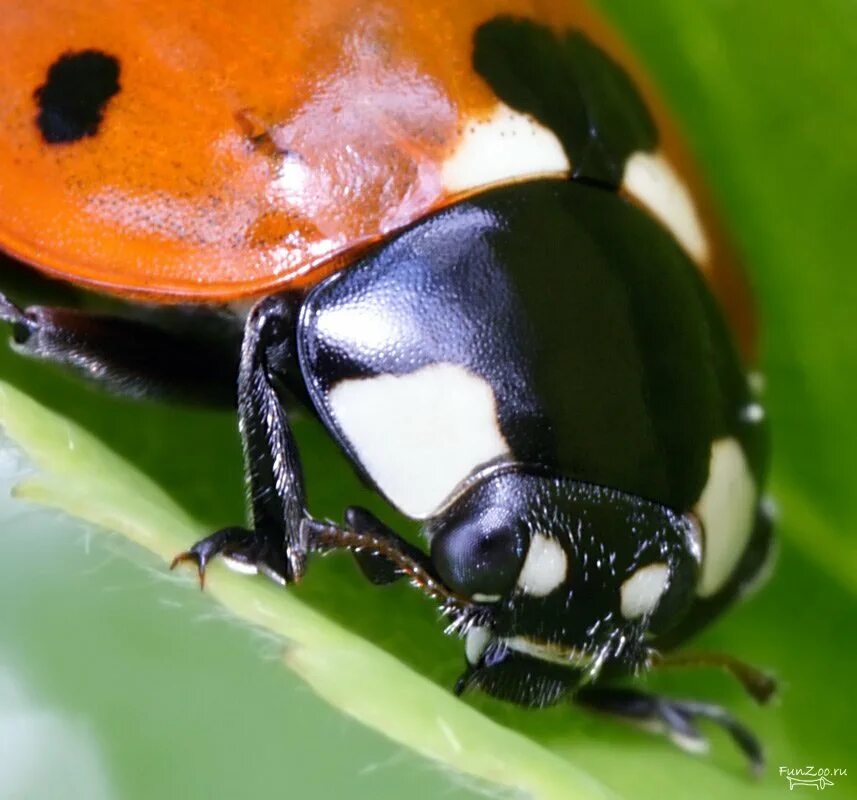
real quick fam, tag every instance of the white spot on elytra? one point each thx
(727, 509)
(476, 642)
(506, 146)
(545, 567)
(651, 179)
(641, 593)
(419, 435)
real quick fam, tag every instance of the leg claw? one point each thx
(244, 550)
(187, 555)
(227, 541)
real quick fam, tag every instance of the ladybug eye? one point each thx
(479, 561)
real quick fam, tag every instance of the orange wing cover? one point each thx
(241, 149)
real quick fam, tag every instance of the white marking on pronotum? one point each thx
(419, 435)
(504, 146)
(651, 179)
(475, 643)
(641, 592)
(545, 567)
(727, 509)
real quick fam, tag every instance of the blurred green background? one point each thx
(119, 680)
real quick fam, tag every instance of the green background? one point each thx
(119, 680)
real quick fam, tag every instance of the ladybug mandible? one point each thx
(466, 236)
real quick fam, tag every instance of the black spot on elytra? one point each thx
(72, 99)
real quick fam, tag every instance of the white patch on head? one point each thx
(419, 435)
(641, 593)
(504, 147)
(545, 567)
(651, 179)
(727, 509)
(475, 643)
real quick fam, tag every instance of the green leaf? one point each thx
(766, 94)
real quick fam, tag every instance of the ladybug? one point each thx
(467, 238)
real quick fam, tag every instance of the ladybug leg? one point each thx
(384, 556)
(136, 358)
(758, 684)
(242, 549)
(129, 357)
(376, 568)
(220, 543)
(276, 545)
(676, 719)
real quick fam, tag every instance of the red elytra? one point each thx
(253, 150)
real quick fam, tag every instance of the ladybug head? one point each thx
(572, 577)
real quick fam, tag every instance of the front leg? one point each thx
(383, 556)
(276, 545)
(283, 533)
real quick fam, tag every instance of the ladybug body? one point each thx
(471, 241)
